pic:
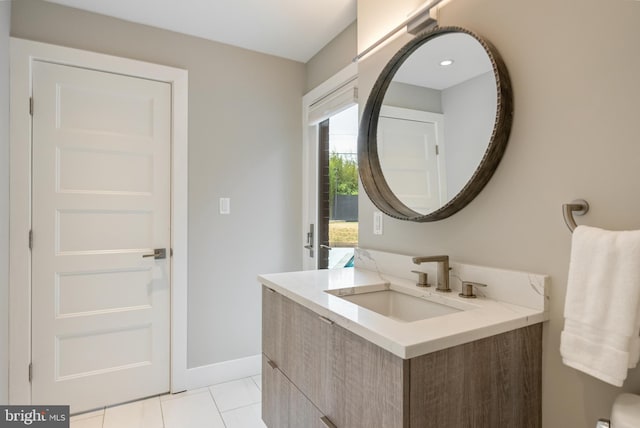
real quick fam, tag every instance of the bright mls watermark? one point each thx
(34, 416)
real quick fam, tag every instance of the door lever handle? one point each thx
(158, 253)
(309, 245)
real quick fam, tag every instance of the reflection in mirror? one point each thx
(435, 126)
(410, 147)
(436, 121)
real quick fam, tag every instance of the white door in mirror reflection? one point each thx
(412, 156)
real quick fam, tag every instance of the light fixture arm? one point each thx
(418, 21)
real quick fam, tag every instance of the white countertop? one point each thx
(483, 317)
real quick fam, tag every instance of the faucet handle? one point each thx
(467, 289)
(422, 279)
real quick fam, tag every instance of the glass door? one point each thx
(338, 189)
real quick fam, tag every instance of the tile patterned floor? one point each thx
(233, 404)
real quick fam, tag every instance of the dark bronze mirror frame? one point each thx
(371, 173)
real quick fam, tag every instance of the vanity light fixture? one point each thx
(421, 19)
(446, 62)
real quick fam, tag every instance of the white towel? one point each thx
(602, 308)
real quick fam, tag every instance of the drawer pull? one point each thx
(272, 364)
(327, 422)
(325, 320)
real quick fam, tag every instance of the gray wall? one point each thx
(574, 66)
(469, 115)
(5, 19)
(244, 143)
(335, 56)
(413, 97)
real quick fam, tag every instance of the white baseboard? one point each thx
(225, 371)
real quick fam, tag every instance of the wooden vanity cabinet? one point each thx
(352, 382)
(318, 374)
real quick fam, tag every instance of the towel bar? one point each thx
(577, 207)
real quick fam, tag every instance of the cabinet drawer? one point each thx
(301, 343)
(283, 405)
(350, 380)
(310, 356)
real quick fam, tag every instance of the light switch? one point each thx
(225, 206)
(377, 223)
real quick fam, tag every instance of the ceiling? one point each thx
(293, 29)
(423, 67)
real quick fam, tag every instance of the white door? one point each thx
(101, 201)
(411, 153)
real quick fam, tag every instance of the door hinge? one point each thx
(437, 150)
(30, 372)
(31, 106)
(31, 239)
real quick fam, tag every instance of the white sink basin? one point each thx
(394, 304)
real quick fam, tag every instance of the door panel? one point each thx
(81, 293)
(411, 157)
(78, 232)
(90, 353)
(83, 170)
(101, 200)
(88, 109)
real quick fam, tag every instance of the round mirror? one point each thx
(435, 125)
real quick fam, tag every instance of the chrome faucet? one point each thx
(442, 273)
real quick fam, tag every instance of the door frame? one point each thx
(310, 158)
(22, 55)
